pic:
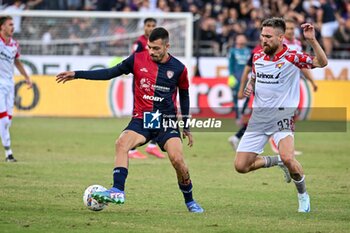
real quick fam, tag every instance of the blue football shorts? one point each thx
(161, 135)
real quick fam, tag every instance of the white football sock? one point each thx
(5, 132)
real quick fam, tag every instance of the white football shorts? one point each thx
(7, 98)
(260, 128)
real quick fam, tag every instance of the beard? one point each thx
(157, 58)
(269, 50)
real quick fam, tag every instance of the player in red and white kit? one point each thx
(141, 45)
(295, 45)
(9, 58)
(275, 82)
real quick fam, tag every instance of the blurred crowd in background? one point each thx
(216, 22)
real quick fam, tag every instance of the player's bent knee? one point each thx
(288, 160)
(240, 167)
(242, 162)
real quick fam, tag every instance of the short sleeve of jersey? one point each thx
(254, 57)
(183, 81)
(300, 59)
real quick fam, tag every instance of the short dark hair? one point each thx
(275, 22)
(3, 19)
(149, 20)
(159, 33)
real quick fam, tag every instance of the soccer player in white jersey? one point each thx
(295, 45)
(9, 57)
(275, 81)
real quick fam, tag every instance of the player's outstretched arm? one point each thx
(309, 33)
(65, 76)
(23, 72)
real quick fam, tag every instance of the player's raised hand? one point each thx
(187, 133)
(309, 31)
(65, 76)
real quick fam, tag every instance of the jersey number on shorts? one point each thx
(286, 124)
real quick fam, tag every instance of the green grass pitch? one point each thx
(59, 158)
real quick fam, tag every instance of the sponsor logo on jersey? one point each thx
(267, 76)
(170, 74)
(161, 88)
(279, 65)
(144, 70)
(6, 57)
(145, 84)
(153, 98)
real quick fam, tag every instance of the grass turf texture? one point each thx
(59, 158)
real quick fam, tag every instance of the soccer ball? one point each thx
(91, 203)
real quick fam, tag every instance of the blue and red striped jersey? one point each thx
(155, 85)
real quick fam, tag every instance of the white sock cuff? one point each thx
(299, 181)
(8, 152)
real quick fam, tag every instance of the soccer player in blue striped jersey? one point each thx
(158, 78)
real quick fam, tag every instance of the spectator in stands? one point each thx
(56, 5)
(163, 6)
(36, 4)
(208, 38)
(253, 32)
(74, 5)
(346, 12)
(328, 23)
(342, 37)
(46, 40)
(243, 16)
(223, 39)
(120, 5)
(104, 5)
(16, 7)
(246, 8)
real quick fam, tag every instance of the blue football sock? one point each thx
(187, 191)
(119, 177)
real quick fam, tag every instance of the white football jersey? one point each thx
(293, 44)
(8, 53)
(277, 78)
